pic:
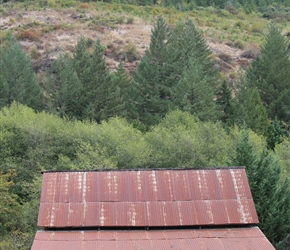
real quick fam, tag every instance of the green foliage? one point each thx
(270, 192)
(63, 89)
(276, 133)
(17, 79)
(195, 94)
(282, 151)
(151, 74)
(41, 141)
(270, 73)
(127, 93)
(97, 83)
(193, 71)
(8, 204)
(182, 141)
(17, 240)
(284, 244)
(176, 72)
(123, 143)
(82, 87)
(249, 109)
(31, 142)
(129, 53)
(225, 103)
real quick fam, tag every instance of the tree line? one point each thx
(177, 72)
(174, 112)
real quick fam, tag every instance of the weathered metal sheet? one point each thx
(212, 239)
(180, 185)
(146, 198)
(226, 185)
(214, 243)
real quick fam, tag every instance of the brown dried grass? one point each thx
(30, 35)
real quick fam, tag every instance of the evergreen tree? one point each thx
(83, 87)
(249, 109)
(270, 192)
(17, 79)
(195, 94)
(276, 133)
(97, 84)
(193, 71)
(186, 44)
(128, 93)
(225, 103)
(151, 74)
(64, 91)
(170, 72)
(101, 96)
(270, 73)
(82, 60)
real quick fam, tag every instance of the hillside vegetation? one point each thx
(143, 84)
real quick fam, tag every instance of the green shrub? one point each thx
(129, 53)
(130, 20)
(239, 44)
(225, 57)
(257, 28)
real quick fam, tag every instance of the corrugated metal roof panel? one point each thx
(146, 198)
(212, 239)
(180, 185)
(226, 185)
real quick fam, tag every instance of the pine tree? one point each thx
(225, 103)
(193, 78)
(82, 60)
(102, 95)
(17, 79)
(151, 74)
(249, 109)
(128, 93)
(270, 73)
(270, 192)
(83, 87)
(186, 45)
(165, 74)
(276, 133)
(195, 94)
(64, 91)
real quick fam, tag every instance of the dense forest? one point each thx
(174, 111)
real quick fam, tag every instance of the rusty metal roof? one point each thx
(146, 198)
(210, 239)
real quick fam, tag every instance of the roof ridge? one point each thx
(144, 169)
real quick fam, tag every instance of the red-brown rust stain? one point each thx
(146, 198)
(244, 211)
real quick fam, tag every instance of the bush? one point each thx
(257, 28)
(239, 44)
(225, 57)
(130, 20)
(129, 53)
(31, 35)
(250, 53)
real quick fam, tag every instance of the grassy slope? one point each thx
(47, 29)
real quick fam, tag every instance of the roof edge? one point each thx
(150, 228)
(143, 169)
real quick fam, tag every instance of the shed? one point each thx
(148, 209)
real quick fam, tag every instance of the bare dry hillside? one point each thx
(45, 33)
